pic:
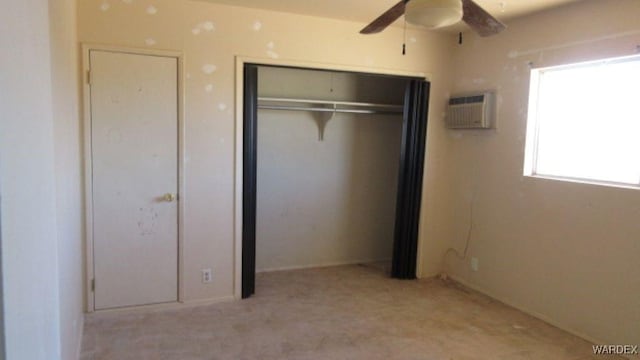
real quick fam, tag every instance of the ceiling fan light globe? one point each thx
(434, 14)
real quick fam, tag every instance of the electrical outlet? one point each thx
(475, 263)
(207, 276)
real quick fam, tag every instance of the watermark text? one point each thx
(616, 349)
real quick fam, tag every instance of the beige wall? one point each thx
(27, 184)
(69, 204)
(213, 35)
(331, 201)
(40, 181)
(567, 252)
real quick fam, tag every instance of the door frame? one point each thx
(241, 61)
(88, 181)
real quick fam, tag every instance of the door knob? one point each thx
(169, 197)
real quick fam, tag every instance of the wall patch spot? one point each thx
(513, 54)
(188, 75)
(209, 69)
(208, 26)
(208, 88)
(105, 6)
(222, 106)
(150, 41)
(272, 54)
(413, 40)
(257, 26)
(152, 10)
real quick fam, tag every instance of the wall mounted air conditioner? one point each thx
(475, 111)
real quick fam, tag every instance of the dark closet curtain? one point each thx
(405, 245)
(250, 155)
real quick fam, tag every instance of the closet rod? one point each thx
(329, 110)
(335, 104)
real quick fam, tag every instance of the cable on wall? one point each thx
(456, 252)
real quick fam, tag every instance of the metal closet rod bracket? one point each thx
(322, 123)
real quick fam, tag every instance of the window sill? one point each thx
(583, 181)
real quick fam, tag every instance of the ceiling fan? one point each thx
(438, 13)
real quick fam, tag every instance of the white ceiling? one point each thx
(364, 11)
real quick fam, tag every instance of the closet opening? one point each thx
(332, 170)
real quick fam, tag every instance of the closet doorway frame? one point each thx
(410, 181)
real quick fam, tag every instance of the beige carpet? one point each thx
(349, 312)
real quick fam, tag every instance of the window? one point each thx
(584, 122)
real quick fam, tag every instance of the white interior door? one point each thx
(134, 149)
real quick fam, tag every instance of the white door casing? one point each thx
(134, 164)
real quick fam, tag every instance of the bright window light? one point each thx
(584, 122)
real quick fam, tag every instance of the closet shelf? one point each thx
(270, 103)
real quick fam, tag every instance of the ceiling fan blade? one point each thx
(479, 20)
(385, 19)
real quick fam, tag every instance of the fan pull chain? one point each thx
(460, 38)
(404, 43)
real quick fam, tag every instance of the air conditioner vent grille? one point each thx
(471, 112)
(466, 100)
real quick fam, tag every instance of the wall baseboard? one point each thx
(202, 302)
(535, 314)
(322, 265)
(166, 306)
(80, 336)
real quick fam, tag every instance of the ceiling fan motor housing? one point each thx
(434, 14)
